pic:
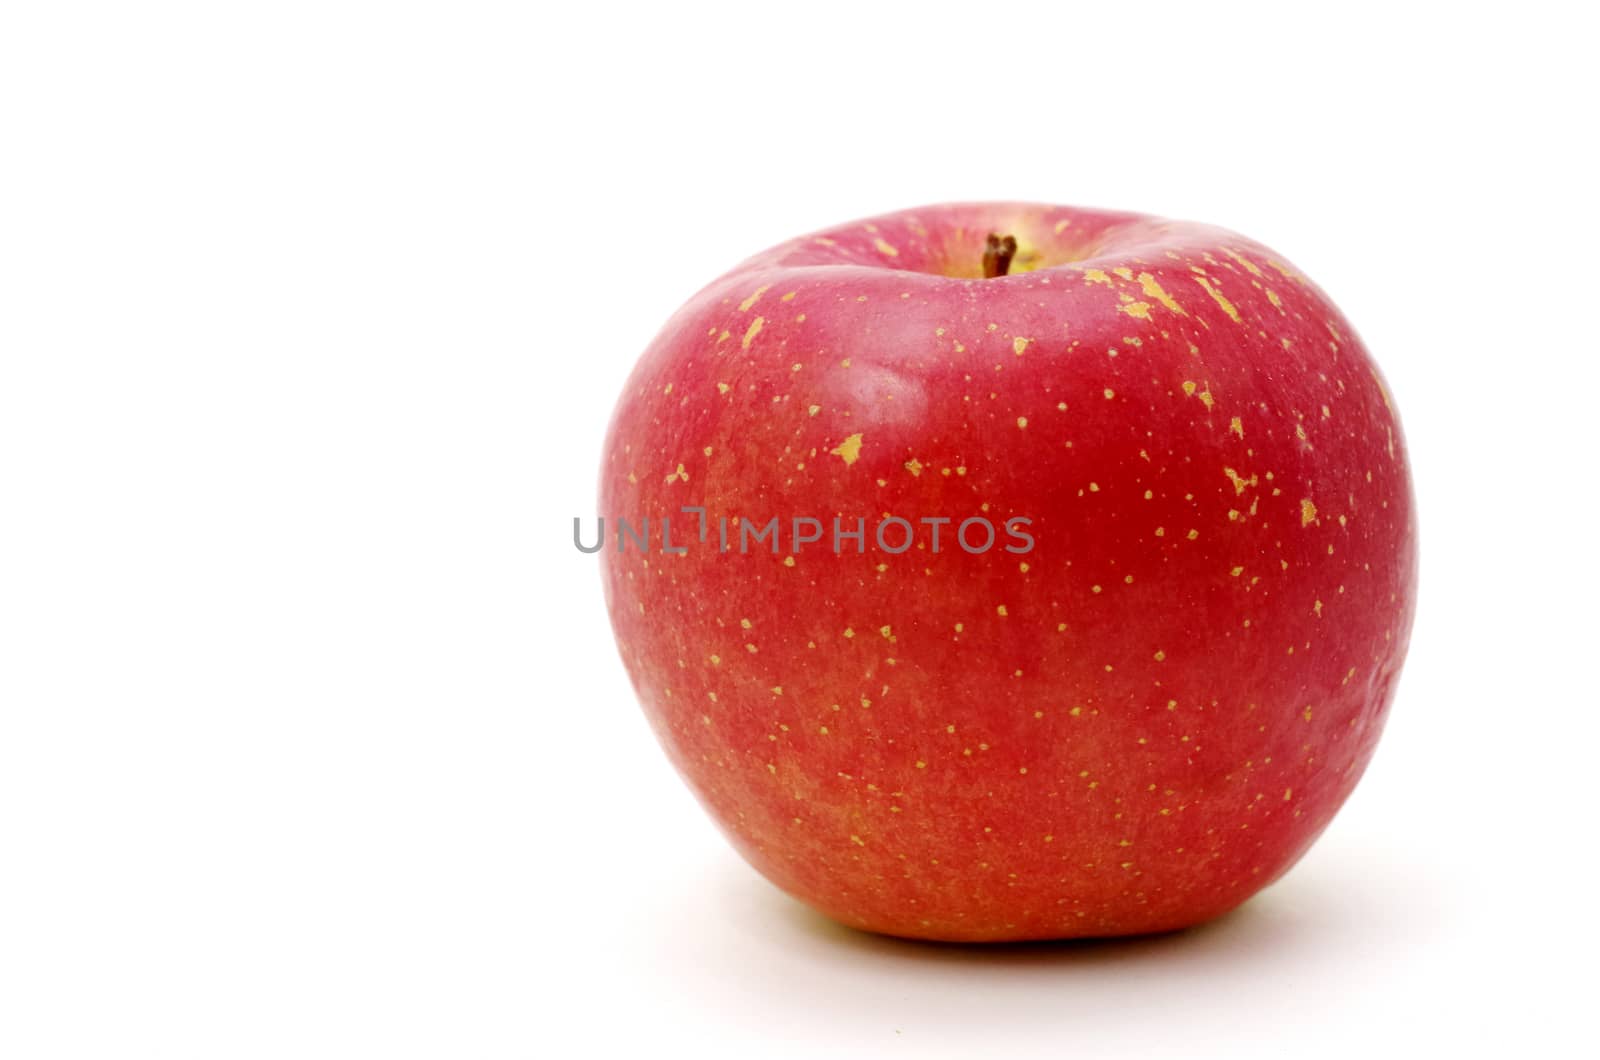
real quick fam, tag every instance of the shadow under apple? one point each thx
(769, 965)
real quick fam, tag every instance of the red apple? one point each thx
(1132, 726)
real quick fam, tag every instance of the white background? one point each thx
(314, 739)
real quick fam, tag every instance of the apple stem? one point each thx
(997, 253)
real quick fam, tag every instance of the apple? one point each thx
(1143, 700)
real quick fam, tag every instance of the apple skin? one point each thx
(1131, 728)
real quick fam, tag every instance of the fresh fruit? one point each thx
(1131, 726)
